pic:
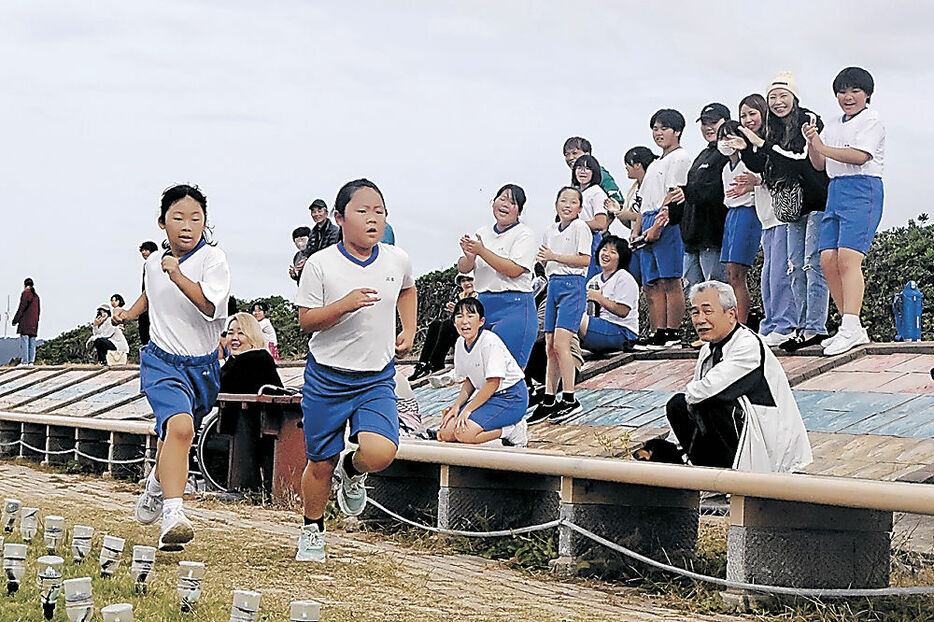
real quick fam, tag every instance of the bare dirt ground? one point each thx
(365, 578)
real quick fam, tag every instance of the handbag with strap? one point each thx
(787, 202)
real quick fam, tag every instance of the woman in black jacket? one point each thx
(799, 194)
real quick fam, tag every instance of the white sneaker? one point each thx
(775, 339)
(176, 532)
(444, 380)
(846, 341)
(829, 340)
(310, 545)
(148, 506)
(351, 495)
(519, 437)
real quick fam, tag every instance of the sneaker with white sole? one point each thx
(776, 339)
(148, 507)
(564, 411)
(519, 437)
(846, 341)
(310, 545)
(829, 340)
(177, 531)
(351, 494)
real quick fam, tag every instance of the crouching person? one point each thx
(493, 397)
(738, 411)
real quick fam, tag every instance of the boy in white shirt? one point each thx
(493, 397)
(347, 297)
(852, 148)
(259, 311)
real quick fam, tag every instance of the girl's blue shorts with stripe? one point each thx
(605, 336)
(742, 232)
(853, 213)
(513, 318)
(332, 396)
(505, 407)
(176, 384)
(565, 302)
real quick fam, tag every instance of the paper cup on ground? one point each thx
(81, 542)
(245, 606)
(111, 552)
(29, 523)
(190, 575)
(49, 581)
(121, 612)
(14, 565)
(79, 603)
(10, 513)
(54, 532)
(144, 558)
(304, 611)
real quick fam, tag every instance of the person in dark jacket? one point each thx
(799, 194)
(26, 320)
(324, 233)
(250, 366)
(145, 250)
(699, 206)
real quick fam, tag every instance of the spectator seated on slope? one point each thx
(108, 342)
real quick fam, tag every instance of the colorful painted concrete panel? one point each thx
(83, 389)
(105, 400)
(20, 380)
(137, 409)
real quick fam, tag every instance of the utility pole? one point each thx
(6, 317)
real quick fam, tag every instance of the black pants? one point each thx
(102, 346)
(440, 338)
(710, 434)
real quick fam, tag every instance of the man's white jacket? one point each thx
(774, 438)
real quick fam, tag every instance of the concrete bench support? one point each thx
(409, 489)
(126, 447)
(10, 433)
(658, 522)
(34, 435)
(60, 439)
(797, 544)
(484, 499)
(93, 443)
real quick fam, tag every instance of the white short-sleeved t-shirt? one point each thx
(669, 171)
(269, 333)
(175, 323)
(864, 132)
(729, 174)
(575, 239)
(594, 196)
(365, 339)
(487, 358)
(517, 243)
(621, 288)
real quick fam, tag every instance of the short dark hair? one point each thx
(516, 192)
(728, 128)
(262, 304)
(576, 142)
(854, 78)
(622, 249)
(639, 155)
(589, 162)
(580, 196)
(668, 117)
(120, 300)
(345, 194)
(319, 203)
(301, 232)
(174, 194)
(28, 282)
(471, 305)
(148, 245)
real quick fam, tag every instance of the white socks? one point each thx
(152, 484)
(507, 430)
(170, 506)
(850, 323)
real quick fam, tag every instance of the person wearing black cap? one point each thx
(699, 207)
(325, 232)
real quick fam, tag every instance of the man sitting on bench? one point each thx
(738, 411)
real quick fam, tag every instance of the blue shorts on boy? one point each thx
(331, 397)
(741, 234)
(663, 259)
(565, 302)
(513, 317)
(853, 213)
(176, 384)
(605, 336)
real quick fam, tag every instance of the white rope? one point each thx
(736, 585)
(108, 460)
(77, 452)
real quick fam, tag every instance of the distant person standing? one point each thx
(26, 321)
(300, 237)
(324, 233)
(145, 249)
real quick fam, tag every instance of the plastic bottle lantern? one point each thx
(907, 307)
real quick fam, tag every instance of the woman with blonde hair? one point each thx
(250, 365)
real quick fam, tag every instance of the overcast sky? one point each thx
(270, 106)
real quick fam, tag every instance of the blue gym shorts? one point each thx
(565, 302)
(175, 384)
(505, 407)
(742, 232)
(512, 316)
(663, 259)
(853, 213)
(331, 396)
(605, 336)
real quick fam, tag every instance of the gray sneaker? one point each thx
(519, 437)
(310, 545)
(351, 494)
(148, 507)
